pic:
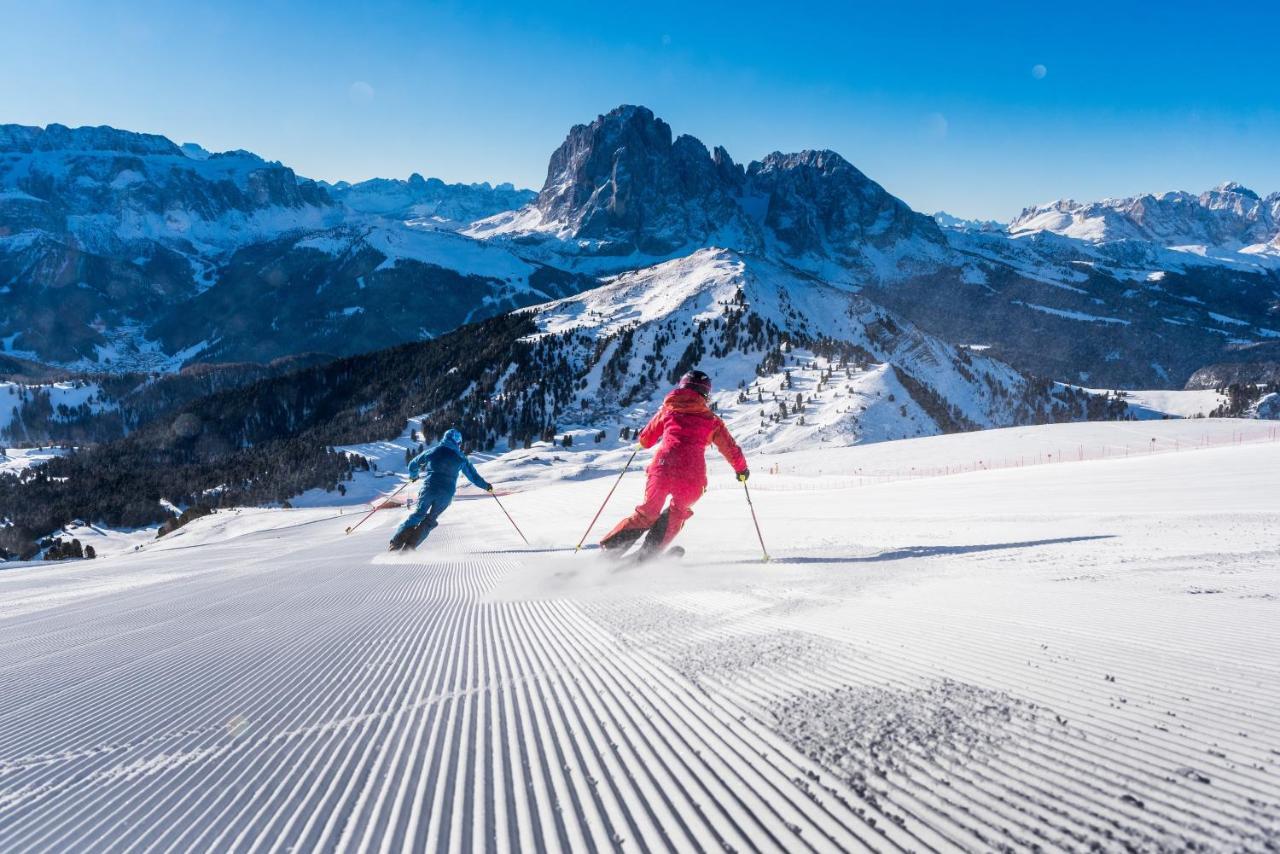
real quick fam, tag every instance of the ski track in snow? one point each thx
(1050, 681)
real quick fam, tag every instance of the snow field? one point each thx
(69, 394)
(1048, 656)
(14, 460)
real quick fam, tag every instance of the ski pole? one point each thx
(509, 519)
(595, 518)
(752, 507)
(379, 507)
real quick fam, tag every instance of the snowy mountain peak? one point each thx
(623, 181)
(824, 160)
(1233, 187)
(623, 186)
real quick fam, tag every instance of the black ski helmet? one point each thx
(698, 381)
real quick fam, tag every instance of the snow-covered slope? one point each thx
(53, 400)
(15, 461)
(799, 361)
(1054, 657)
(1056, 294)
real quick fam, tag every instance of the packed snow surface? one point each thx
(1053, 656)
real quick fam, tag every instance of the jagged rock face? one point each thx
(623, 180)
(108, 188)
(819, 203)
(55, 137)
(1227, 216)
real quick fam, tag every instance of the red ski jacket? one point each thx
(685, 425)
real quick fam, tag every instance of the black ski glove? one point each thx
(743, 475)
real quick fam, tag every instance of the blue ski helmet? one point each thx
(453, 437)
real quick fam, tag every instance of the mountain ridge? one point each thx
(119, 261)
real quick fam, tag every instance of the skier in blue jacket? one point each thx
(443, 462)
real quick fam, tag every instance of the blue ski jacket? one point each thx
(443, 462)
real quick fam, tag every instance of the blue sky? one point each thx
(978, 109)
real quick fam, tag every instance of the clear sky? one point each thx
(975, 108)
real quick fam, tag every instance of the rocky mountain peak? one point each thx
(1237, 189)
(825, 161)
(56, 137)
(819, 203)
(623, 184)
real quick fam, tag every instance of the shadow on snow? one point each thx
(934, 551)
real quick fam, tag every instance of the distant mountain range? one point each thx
(122, 251)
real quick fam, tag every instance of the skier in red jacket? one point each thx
(685, 425)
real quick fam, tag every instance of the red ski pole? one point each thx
(379, 507)
(595, 518)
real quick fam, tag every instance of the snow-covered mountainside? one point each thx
(54, 401)
(114, 191)
(354, 289)
(1229, 224)
(797, 361)
(621, 193)
(123, 251)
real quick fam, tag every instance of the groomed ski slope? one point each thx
(1060, 657)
